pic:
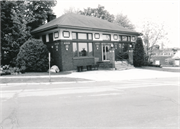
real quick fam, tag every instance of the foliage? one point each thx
(38, 12)
(71, 10)
(138, 53)
(18, 18)
(123, 20)
(13, 31)
(33, 56)
(123, 55)
(153, 36)
(99, 12)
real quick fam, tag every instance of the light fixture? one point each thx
(67, 47)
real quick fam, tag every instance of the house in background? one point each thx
(163, 56)
(76, 40)
(176, 58)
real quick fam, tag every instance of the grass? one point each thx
(40, 80)
(160, 69)
(28, 77)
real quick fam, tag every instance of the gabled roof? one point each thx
(76, 21)
(177, 55)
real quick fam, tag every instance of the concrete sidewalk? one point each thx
(99, 75)
(102, 75)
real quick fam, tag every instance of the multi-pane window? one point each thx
(90, 36)
(82, 49)
(82, 36)
(106, 37)
(90, 49)
(75, 50)
(124, 38)
(66, 34)
(74, 36)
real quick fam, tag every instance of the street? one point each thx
(128, 104)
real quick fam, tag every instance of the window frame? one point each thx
(126, 38)
(55, 34)
(66, 36)
(109, 37)
(81, 33)
(96, 34)
(115, 35)
(77, 45)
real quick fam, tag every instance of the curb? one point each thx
(45, 83)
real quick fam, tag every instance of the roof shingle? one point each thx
(76, 21)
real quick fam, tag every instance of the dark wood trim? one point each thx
(66, 36)
(95, 35)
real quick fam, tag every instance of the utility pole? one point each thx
(49, 67)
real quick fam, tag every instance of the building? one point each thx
(166, 57)
(76, 40)
(176, 58)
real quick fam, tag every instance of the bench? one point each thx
(86, 63)
(88, 67)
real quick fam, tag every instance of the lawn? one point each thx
(38, 77)
(161, 69)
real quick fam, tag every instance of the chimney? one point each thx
(51, 17)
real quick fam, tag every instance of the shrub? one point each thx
(33, 56)
(138, 53)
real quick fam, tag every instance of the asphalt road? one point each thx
(132, 104)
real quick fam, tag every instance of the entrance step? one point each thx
(105, 65)
(123, 65)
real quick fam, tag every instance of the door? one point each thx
(105, 52)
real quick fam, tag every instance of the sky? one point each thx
(165, 12)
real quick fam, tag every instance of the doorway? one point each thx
(105, 51)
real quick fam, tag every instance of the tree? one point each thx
(13, 31)
(71, 10)
(18, 18)
(138, 53)
(37, 12)
(123, 20)
(153, 35)
(33, 55)
(99, 12)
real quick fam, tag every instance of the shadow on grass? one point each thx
(39, 74)
(40, 80)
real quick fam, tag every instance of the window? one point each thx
(133, 39)
(115, 37)
(129, 38)
(106, 37)
(75, 54)
(56, 35)
(124, 38)
(90, 36)
(97, 35)
(82, 49)
(66, 34)
(74, 36)
(90, 49)
(85, 36)
(82, 36)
